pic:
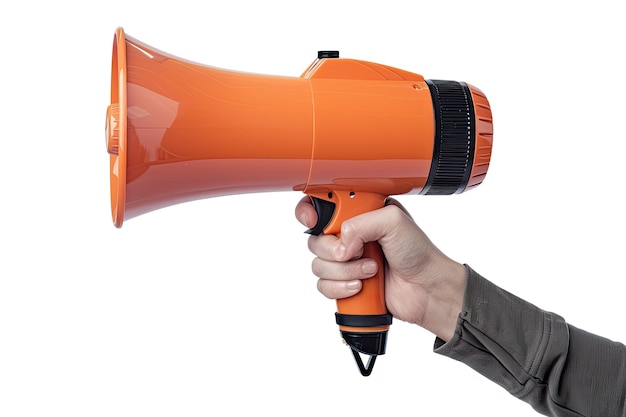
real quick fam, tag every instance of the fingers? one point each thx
(373, 226)
(338, 289)
(355, 232)
(338, 279)
(338, 263)
(305, 212)
(331, 248)
(344, 271)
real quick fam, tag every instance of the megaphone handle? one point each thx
(365, 314)
(366, 311)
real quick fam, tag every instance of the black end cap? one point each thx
(370, 343)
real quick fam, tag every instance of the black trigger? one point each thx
(325, 211)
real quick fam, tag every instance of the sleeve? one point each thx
(536, 356)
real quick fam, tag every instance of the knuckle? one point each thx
(349, 227)
(395, 213)
(355, 271)
(316, 268)
(325, 289)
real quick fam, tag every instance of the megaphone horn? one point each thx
(178, 131)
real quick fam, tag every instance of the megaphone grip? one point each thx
(369, 304)
(365, 312)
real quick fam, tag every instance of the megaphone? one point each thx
(348, 133)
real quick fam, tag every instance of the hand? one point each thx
(422, 285)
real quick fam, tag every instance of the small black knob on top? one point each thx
(327, 54)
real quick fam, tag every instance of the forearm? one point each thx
(445, 300)
(535, 355)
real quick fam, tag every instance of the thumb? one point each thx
(368, 227)
(305, 213)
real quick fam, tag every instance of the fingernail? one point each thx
(353, 285)
(303, 219)
(369, 267)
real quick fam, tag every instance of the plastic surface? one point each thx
(188, 131)
(346, 131)
(116, 128)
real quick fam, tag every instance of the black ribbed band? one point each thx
(358, 320)
(455, 138)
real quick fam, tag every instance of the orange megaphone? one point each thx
(348, 133)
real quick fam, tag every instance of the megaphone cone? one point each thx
(348, 133)
(179, 131)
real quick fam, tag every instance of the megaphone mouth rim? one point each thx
(119, 99)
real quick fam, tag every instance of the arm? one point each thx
(535, 355)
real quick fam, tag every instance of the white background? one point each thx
(210, 307)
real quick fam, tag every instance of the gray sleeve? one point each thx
(536, 356)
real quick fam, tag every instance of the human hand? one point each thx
(422, 285)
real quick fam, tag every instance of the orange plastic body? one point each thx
(371, 298)
(179, 131)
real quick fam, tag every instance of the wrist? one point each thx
(445, 300)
